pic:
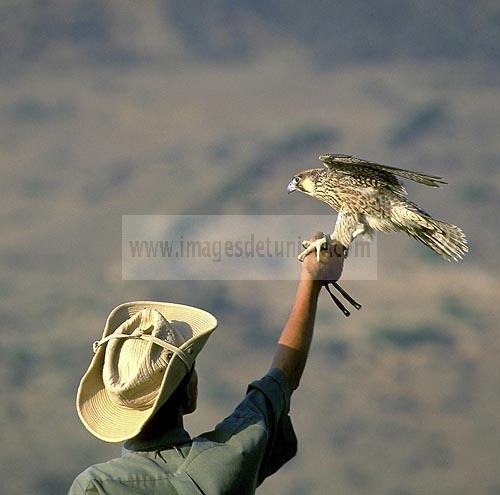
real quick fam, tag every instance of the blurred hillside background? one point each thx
(191, 106)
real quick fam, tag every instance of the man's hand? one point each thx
(329, 268)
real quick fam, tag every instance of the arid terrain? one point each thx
(209, 108)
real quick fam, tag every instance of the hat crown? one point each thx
(134, 367)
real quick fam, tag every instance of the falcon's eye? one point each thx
(296, 180)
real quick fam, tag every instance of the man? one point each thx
(142, 381)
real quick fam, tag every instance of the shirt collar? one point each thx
(172, 437)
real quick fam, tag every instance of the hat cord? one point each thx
(146, 336)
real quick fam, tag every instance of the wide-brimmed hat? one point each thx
(145, 351)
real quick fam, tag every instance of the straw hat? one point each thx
(145, 350)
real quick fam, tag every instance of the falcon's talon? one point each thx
(316, 245)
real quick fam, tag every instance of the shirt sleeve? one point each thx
(260, 426)
(282, 441)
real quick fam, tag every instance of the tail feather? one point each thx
(445, 239)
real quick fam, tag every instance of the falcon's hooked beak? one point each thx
(291, 187)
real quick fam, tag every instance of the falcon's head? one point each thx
(304, 181)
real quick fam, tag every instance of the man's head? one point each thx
(143, 364)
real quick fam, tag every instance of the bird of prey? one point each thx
(368, 197)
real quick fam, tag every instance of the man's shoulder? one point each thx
(254, 420)
(97, 472)
(116, 470)
(83, 483)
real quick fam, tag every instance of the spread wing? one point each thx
(352, 165)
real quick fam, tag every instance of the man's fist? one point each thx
(330, 265)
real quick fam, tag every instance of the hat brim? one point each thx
(113, 422)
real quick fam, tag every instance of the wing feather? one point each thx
(351, 165)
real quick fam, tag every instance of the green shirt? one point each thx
(249, 445)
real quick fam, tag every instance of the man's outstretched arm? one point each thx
(295, 340)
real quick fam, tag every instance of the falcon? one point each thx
(369, 197)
